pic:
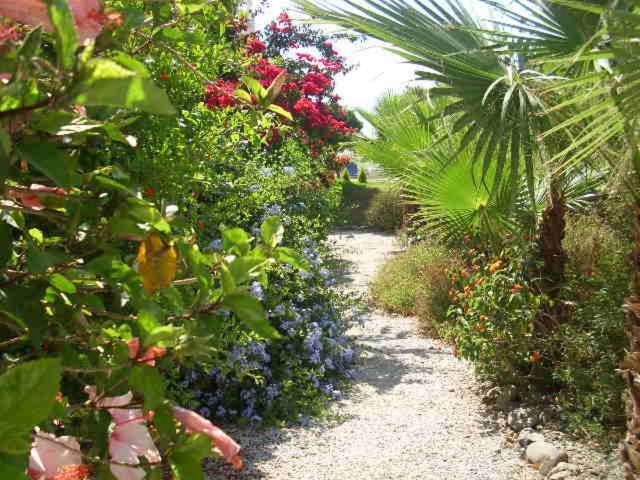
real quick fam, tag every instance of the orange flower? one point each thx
(494, 267)
(150, 192)
(535, 357)
(164, 76)
(517, 288)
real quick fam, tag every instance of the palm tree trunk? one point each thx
(554, 258)
(631, 364)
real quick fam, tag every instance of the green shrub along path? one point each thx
(411, 414)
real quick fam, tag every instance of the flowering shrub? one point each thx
(108, 278)
(260, 380)
(491, 320)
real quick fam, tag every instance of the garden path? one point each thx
(412, 412)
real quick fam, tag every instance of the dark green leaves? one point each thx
(50, 161)
(146, 380)
(124, 84)
(186, 460)
(27, 395)
(5, 243)
(66, 36)
(250, 311)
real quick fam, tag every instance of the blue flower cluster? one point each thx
(261, 380)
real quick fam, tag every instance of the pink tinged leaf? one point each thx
(130, 438)
(122, 472)
(225, 445)
(50, 455)
(87, 13)
(108, 402)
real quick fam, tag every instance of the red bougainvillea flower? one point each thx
(267, 71)
(56, 458)
(315, 83)
(256, 47)
(221, 94)
(224, 444)
(129, 440)
(88, 15)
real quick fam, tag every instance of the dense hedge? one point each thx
(165, 190)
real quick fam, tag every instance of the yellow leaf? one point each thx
(158, 262)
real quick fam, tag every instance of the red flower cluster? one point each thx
(267, 71)
(256, 47)
(220, 94)
(318, 116)
(315, 83)
(283, 24)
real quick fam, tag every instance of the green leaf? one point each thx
(38, 261)
(292, 257)
(13, 466)
(147, 380)
(164, 336)
(66, 36)
(50, 161)
(186, 460)
(62, 283)
(106, 82)
(244, 268)
(227, 280)
(272, 231)
(31, 45)
(280, 111)
(249, 310)
(6, 243)
(27, 396)
(236, 237)
(255, 87)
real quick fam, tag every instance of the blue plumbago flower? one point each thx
(274, 210)
(280, 310)
(266, 172)
(254, 188)
(221, 412)
(255, 231)
(205, 412)
(289, 170)
(257, 290)
(216, 244)
(324, 273)
(306, 275)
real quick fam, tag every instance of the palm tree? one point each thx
(595, 44)
(608, 99)
(495, 100)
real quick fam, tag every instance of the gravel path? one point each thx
(410, 415)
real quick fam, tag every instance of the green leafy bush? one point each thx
(387, 210)
(494, 322)
(415, 282)
(346, 176)
(362, 176)
(593, 342)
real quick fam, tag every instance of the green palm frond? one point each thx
(455, 199)
(608, 99)
(491, 102)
